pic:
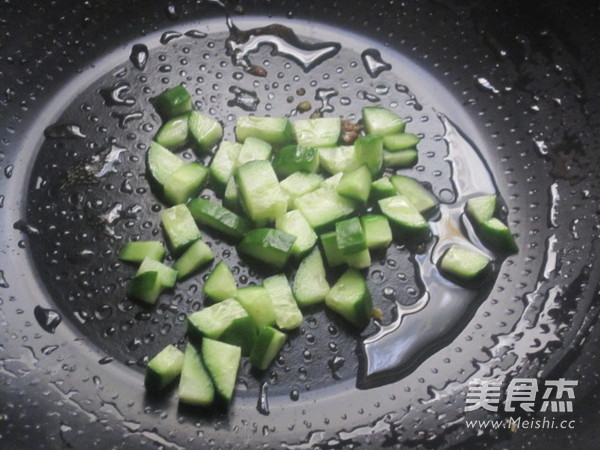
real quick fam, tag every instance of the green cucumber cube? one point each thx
(400, 141)
(210, 213)
(195, 386)
(298, 184)
(241, 332)
(271, 246)
(268, 344)
(369, 151)
(287, 314)
(166, 275)
(180, 228)
(205, 130)
(185, 183)
(231, 198)
(406, 218)
(223, 163)
(463, 265)
(359, 260)
(481, 209)
(497, 236)
(145, 287)
(174, 133)
(310, 283)
(294, 223)
(323, 207)
(377, 231)
(333, 254)
(414, 192)
(222, 362)
(253, 149)
(350, 298)
(295, 158)
(197, 255)
(356, 185)
(321, 132)
(214, 320)
(382, 121)
(350, 236)
(276, 131)
(401, 159)
(338, 159)
(220, 284)
(383, 188)
(257, 303)
(173, 102)
(136, 252)
(163, 368)
(162, 163)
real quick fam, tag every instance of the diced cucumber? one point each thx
(222, 362)
(407, 219)
(287, 314)
(166, 275)
(214, 320)
(338, 159)
(322, 132)
(323, 207)
(260, 191)
(185, 183)
(173, 102)
(369, 151)
(241, 332)
(359, 260)
(180, 228)
(377, 231)
(356, 185)
(163, 368)
(231, 199)
(350, 236)
(298, 184)
(350, 298)
(414, 192)
(383, 188)
(268, 344)
(197, 255)
(481, 209)
(257, 303)
(382, 121)
(295, 158)
(310, 285)
(400, 141)
(145, 287)
(223, 163)
(162, 163)
(271, 246)
(333, 254)
(294, 223)
(496, 235)
(253, 149)
(174, 133)
(195, 385)
(463, 265)
(400, 159)
(332, 182)
(135, 252)
(276, 131)
(220, 284)
(205, 130)
(212, 214)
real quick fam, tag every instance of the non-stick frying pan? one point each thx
(509, 89)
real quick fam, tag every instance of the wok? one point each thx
(513, 84)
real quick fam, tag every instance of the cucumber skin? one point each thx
(356, 309)
(242, 333)
(197, 255)
(137, 251)
(222, 361)
(268, 245)
(193, 373)
(218, 217)
(411, 226)
(311, 274)
(163, 368)
(268, 344)
(463, 266)
(173, 102)
(225, 283)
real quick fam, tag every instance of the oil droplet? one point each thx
(262, 405)
(48, 319)
(139, 56)
(374, 63)
(168, 36)
(196, 34)
(64, 131)
(412, 99)
(247, 100)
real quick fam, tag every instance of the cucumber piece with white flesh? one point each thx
(377, 230)
(223, 163)
(338, 159)
(497, 236)
(383, 188)
(414, 192)
(260, 192)
(253, 149)
(214, 320)
(195, 386)
(185, 183)
(162, 162)
(257, 303)
(323, 207)
(369, 151)
(222, 361)
(174, 133)
(287, 314)
(173, 102)
(333, 254)
(231, 198)
(298, 184)
(167, 276)
(220, 284)
(310, 284)
(350, 236)
(464, 266)
(360, 259)
(163, 368)
(401, 159)
(242, 332)
(321, 132)
(145, 287)
(271, 246)
(295, 158)
(268, 344)
(382, 121)
(294, 223)
(180, 227)
(400, 141)
(332, 182)
(136, 252)
(405, 217)
(482, 208)
(197, 255)
(276, 131)
(204, 130)
(210, 213)
(350, 298)
(356, 185)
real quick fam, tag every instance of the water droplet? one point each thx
(64, 131)
(364, 95)
(196, 34)
(262, 405)
(294, 395)
(486, 85)
(168, 36)
(139, 56)
(247, 100)
(171, 12)
(48, 319)
(105, 360)
(324, 95)
(335, 364)
(3, 282)
(115, 96)
(374, 63)
(124, 119)
(24, 227)
(8, 171)
(49, 349)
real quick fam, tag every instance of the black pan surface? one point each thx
(514, 85)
